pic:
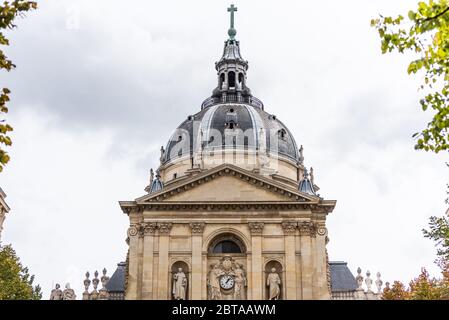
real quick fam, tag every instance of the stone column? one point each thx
(290, 256)
(321, 284)
(256, 229)
(307, 265)
(197, 264)
(163, 290)
(147, 269)
(133, 263)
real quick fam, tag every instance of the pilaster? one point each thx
(164, 229)
(256, 229)
(290, 228)
(197, 229)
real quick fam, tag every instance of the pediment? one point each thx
(227, 183)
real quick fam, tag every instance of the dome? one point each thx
(232, 126)
(239, 126)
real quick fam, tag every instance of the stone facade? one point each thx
(272, 225)
(4, 209)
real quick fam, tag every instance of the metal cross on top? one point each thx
(232, 32)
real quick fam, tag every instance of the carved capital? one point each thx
(307, 228)
(149, 228)
(133, 231)
(256, 227)
(289, 227)
(164, 227)
(197, 227)
(321, 231)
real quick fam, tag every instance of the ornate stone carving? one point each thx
(227, 280)
(133, 231)
(307, 228)
(149, 228)
(289, 227)
(164, 227)
(164, 206)
(274, 285)
(322, 231)
(256, 227)
(197, 227)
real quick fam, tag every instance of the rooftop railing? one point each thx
(229, 98)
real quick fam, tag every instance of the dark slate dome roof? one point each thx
(240, 126)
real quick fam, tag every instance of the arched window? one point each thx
(227, 246)
(241, 78)
(231, 79)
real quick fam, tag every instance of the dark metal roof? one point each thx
(231, 53)
(117, 281)
(247, 119)
(156, 186)
(341, 277)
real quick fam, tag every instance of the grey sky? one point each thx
(101, 85)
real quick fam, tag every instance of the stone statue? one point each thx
(56, 294)
(214, 284)
(359, 279)
(162, 154)
(379, 283)
(368, 281)
(68, 293)
(274, 282)
(240, 283)
(179, 285)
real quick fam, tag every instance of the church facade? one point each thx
(232, 213)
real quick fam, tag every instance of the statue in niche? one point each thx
(56, 294)
(274, 283)
(68, 293)
(240, 283)
(179, 285)
(214, 282)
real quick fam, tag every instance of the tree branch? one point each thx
(434, 17)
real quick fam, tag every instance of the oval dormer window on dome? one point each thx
(230, 125)
(282, 134)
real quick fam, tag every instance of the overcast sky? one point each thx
(100, 86)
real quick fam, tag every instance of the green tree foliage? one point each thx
(15, 281)
(9, 11)
(425, 34)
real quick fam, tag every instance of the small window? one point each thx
(175, 175)
(179, 138)
(231, 110)
(231, 126)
